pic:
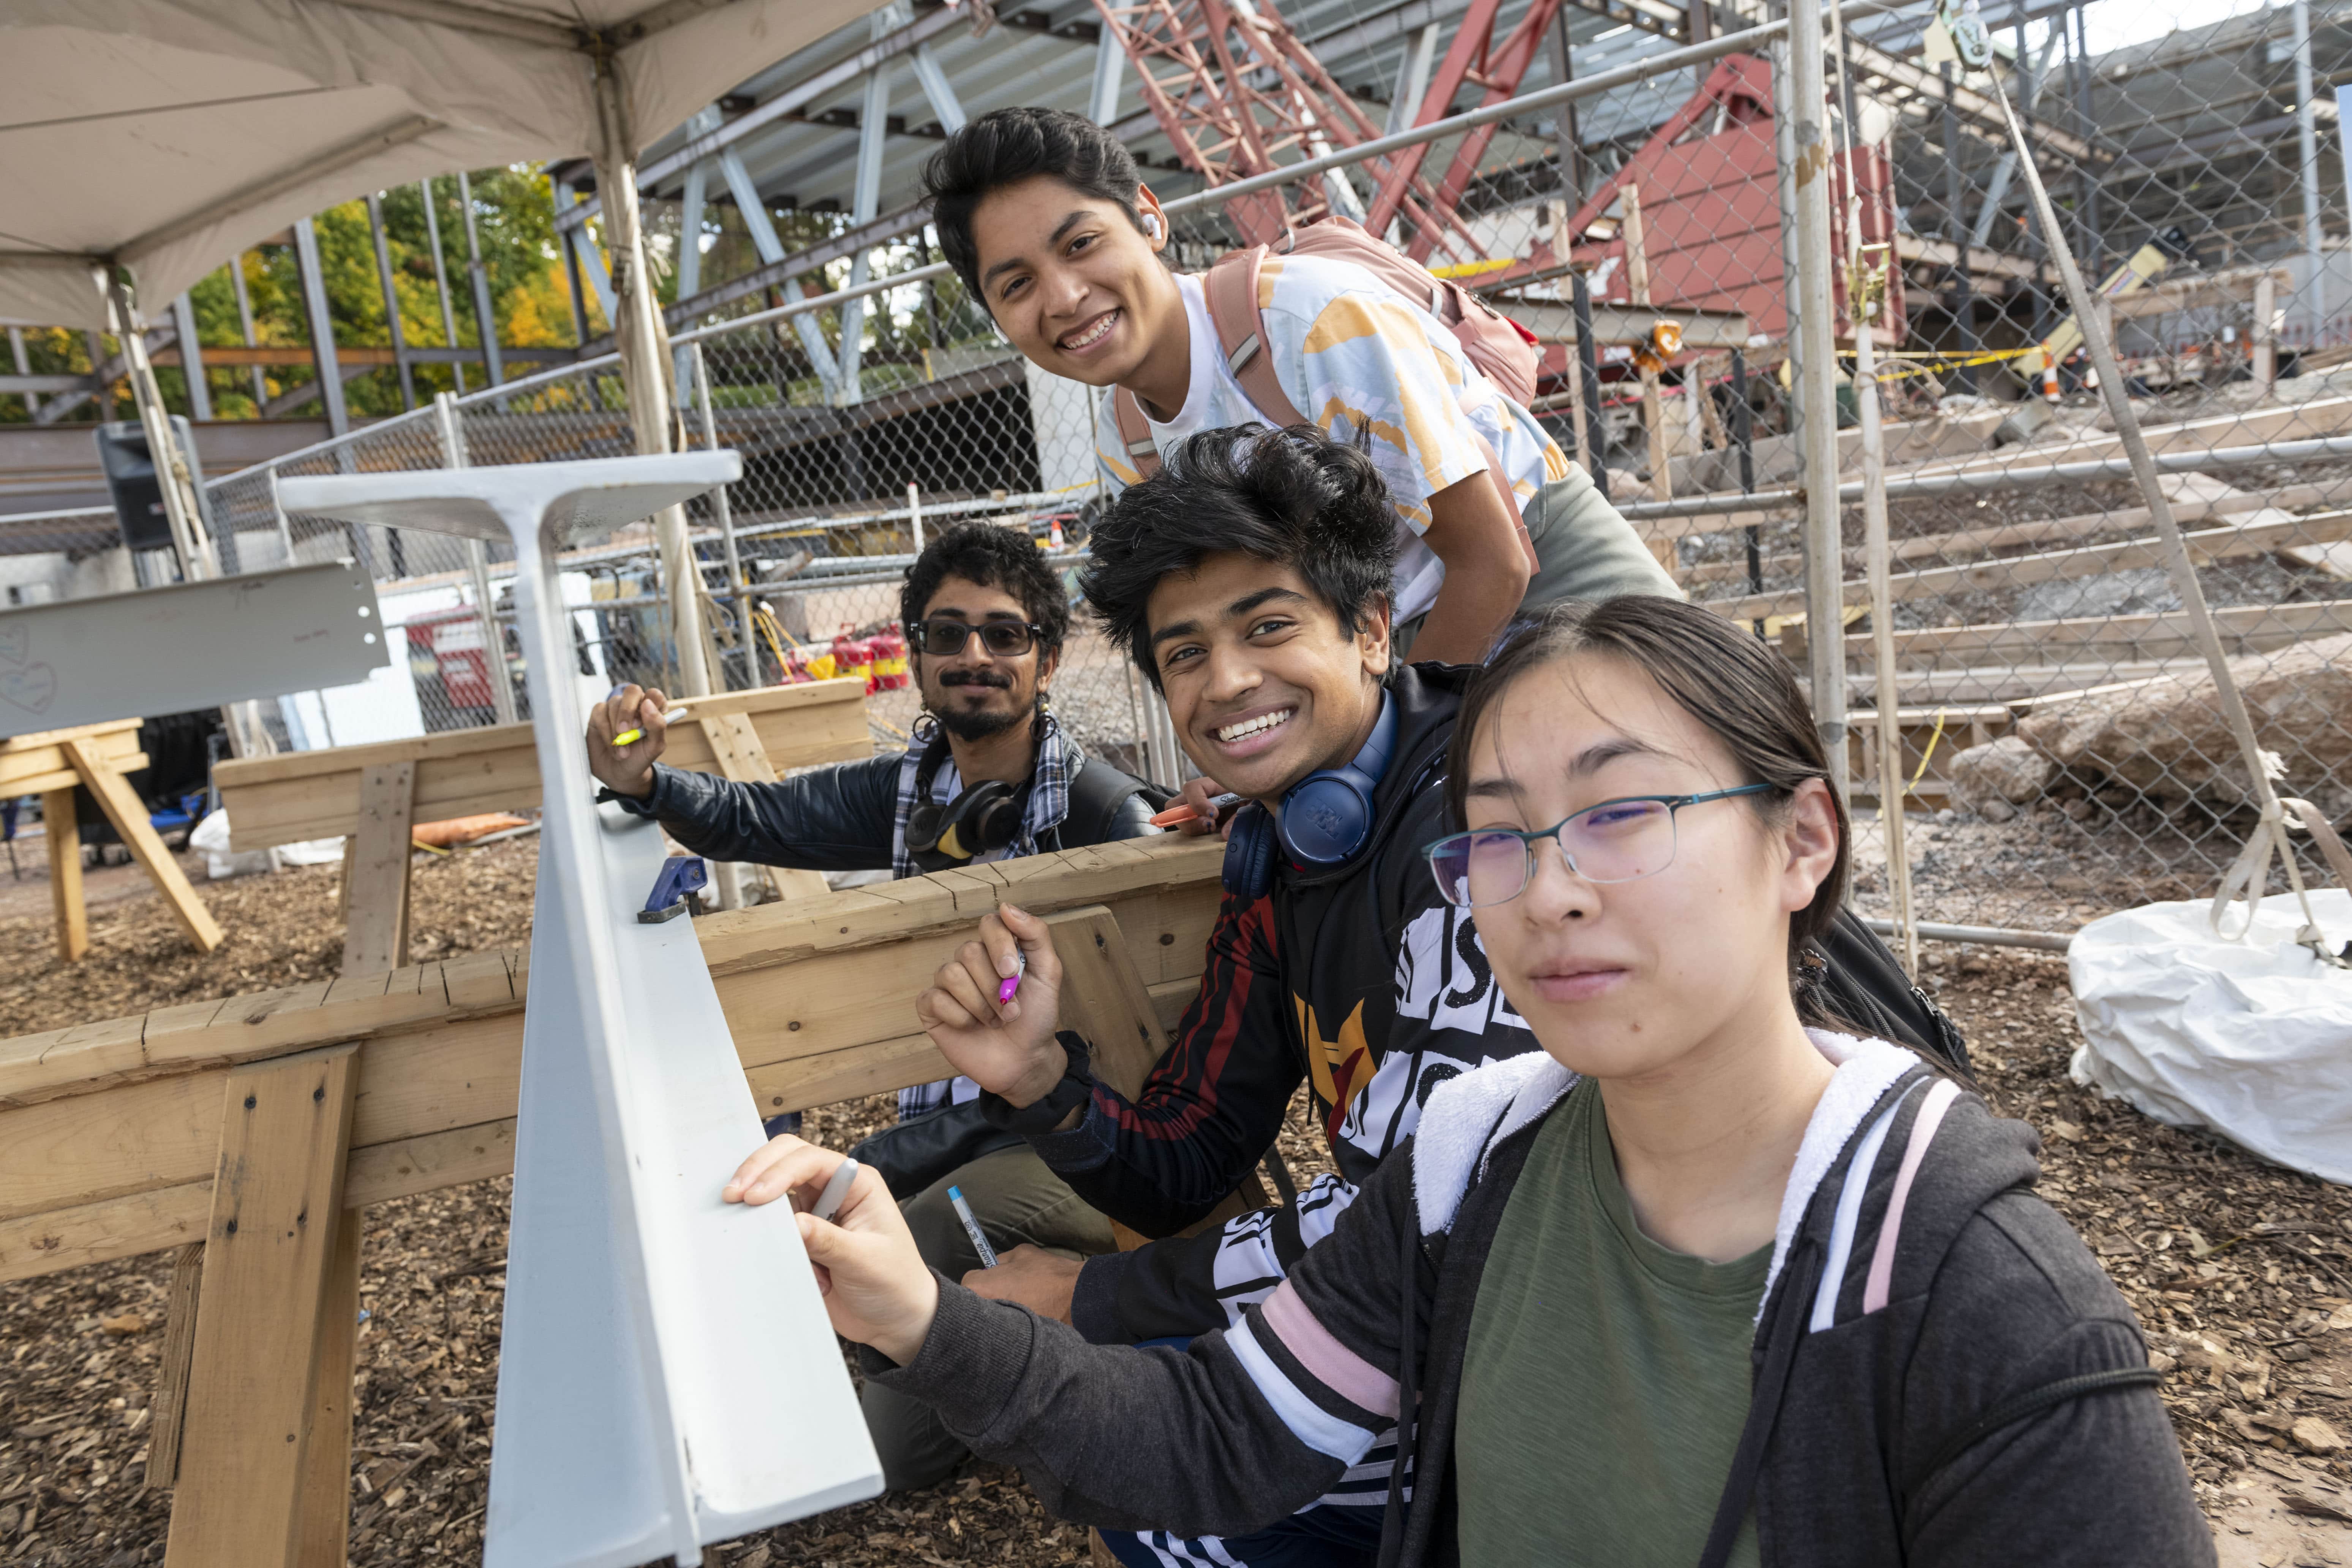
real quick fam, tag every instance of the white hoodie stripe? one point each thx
(1849, 1215)
(1308, 1421)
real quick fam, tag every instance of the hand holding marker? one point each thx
(628, 738)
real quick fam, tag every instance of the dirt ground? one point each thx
(2241, 1273)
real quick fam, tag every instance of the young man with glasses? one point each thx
(990, 775)
(1250, 581)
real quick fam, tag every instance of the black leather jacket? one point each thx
(841, 818)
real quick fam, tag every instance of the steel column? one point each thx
(441, 281)
(191, 358)
(2307, 135)
(245, 324)
(771, 250)
(873, 116)
(391, 300)
(322, 328)
(486, 319)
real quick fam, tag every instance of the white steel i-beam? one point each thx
(391, 300)
(873, 125)
(771, 250)
(667, 1374)
(1110, 64)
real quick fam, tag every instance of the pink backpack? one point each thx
(1504, 353)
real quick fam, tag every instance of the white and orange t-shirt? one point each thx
(1353, 356)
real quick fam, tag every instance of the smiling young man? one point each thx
(986, 617)
(1249, 580)
(1042, 215)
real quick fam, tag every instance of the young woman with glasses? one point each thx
(1707, 1280)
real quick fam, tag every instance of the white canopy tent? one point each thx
(144, 142)
(168, 135)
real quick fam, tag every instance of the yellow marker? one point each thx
(629, 737)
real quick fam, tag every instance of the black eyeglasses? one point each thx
(1005, 639)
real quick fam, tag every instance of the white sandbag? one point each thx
(223, 860)
(2251, 1039)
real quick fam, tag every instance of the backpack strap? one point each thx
(1231, 288)
(1134, 432)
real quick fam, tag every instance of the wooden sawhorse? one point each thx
(49, 763)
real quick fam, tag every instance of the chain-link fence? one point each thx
(2062, 752)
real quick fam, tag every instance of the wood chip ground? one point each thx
(2241, 1272)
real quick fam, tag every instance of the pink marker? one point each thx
(1012, 982)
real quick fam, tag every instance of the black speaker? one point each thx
(138, 493)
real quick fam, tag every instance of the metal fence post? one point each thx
(1813, 344)
(478, 566)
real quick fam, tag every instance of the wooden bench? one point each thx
(373, 796)
(230, 1130)
(49, 763)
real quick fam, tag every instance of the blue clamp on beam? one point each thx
(680, 875)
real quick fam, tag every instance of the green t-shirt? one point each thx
(1606, 1377)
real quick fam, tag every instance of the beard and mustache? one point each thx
(969, 724)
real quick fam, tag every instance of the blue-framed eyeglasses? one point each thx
(1616, 841)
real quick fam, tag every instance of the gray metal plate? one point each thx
(195, 645)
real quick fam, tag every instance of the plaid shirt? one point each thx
(1058, 762)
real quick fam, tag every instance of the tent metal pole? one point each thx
(641, 338)
(162, 444)
(391, 300)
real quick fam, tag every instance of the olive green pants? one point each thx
(1015, 1198)
(1584, 549)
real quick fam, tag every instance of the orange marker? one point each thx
(1176, 815)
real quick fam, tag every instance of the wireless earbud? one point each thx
(1150, 227)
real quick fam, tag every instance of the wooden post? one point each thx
(64, 837)
(323, 1526)
(742, 758)
(376, 885)
(123, 809)
(278, 1198)
(1654, 408)
(1104, 998)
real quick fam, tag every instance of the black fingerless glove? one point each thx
(1043, 1115)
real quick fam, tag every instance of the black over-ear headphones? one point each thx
(1326, 817)
(982, 820)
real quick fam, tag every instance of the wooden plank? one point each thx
(324, 1501)
(171, 1406)
(277, 1196)
(315, 794)
(65, 901)
(2267, 532)
(122, 809)
(375, 879)
(2244, 628)
(1103, 997)
(103, 1230)
(26, 759)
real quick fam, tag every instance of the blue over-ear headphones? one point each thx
(1325, 819)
